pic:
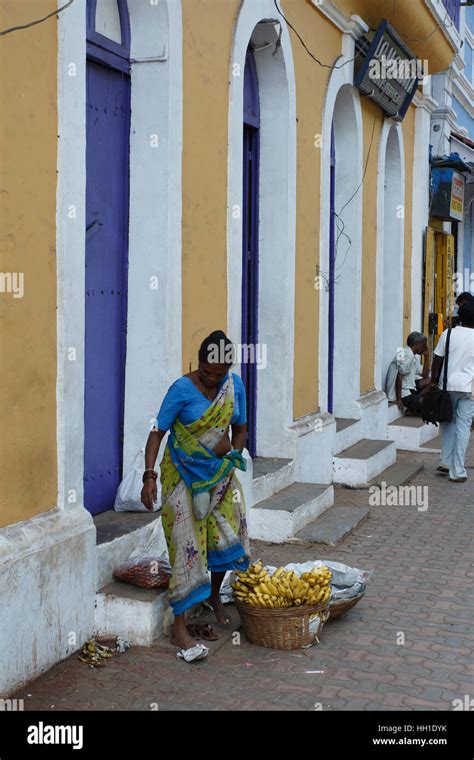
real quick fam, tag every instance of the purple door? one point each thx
(107, 190)
(250, 241)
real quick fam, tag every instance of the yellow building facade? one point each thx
(186, 71)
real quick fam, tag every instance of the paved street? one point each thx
(422, 587)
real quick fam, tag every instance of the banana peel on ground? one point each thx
(94, 654)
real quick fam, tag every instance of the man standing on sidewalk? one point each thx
(460, 384)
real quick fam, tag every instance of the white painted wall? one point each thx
(154, 315)
(349, 103)
(390, 247)
(420, 207)
(70, 253)
(107, 20)
(347, 120)
(277, 219)
(46, 592)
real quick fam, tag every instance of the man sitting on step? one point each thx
(401, 384)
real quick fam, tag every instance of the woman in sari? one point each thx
(203, 509)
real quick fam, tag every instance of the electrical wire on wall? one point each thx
(320, 63)
(339, 222)
(38, 21)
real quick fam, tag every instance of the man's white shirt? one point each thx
(407, 364)
(460, 359)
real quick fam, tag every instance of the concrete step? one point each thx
(409, 433)
(270, 475)
(357, 465)
(283, 514)
(348, 432)
(334, 525)
(433, 446)
(118, 534)
(139, 615)
(398, 474)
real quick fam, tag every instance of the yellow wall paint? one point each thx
(413, 22)
(311, 86)
(28, 135)
(208, 26)
(372, 119)
(408, 127)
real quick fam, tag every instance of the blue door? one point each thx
(250, 242)
(107, 194)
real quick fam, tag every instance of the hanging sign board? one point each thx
(447, 188)
(389, 72)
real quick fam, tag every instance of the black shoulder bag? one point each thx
(435, 403)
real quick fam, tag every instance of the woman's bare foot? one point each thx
(181, 637)
(218, 609)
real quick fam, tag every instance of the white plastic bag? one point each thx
(154, 545)
(346, 581)
(129, 490)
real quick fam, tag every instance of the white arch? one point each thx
(390, 248)
(154, 315)
(349, 144)
(277, 215)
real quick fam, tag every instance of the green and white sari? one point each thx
(189, 471)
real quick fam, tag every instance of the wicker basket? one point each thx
(283, 628)
(336, 609)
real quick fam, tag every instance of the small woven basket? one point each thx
(283, 628)
(336, 609)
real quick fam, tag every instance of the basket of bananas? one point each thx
(282, 610)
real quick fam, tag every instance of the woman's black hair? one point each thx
(466, 314)
(217, 344)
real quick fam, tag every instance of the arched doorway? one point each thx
(344, 258)
(390, 255)
(106, 258)
(257, 28)
(250, 173)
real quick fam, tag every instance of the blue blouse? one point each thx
(184, 401)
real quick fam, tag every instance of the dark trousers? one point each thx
(412, 401)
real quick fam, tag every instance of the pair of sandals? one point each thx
(442, 470)
(199, 651)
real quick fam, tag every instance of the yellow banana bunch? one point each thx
(283, 588)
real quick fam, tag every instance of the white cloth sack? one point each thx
(129, 490)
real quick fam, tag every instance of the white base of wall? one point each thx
(393, 413)
(373, 414)
(138, 615)
(46, 592)
(313, 441)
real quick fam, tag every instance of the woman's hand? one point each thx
(149, 494)
(224, 446)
